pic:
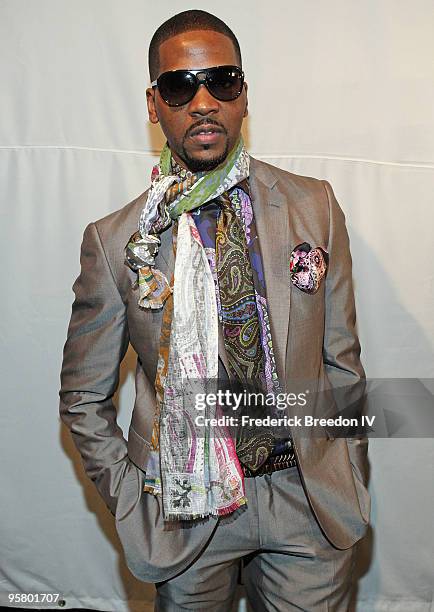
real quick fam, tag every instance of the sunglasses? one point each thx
(178, 87)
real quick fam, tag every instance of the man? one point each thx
(227, 267)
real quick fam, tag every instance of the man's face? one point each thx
(190, 51)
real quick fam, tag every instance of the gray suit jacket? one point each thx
(314, 340)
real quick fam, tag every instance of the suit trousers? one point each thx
(288, 563)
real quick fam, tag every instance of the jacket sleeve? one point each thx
(96, 343)
(341, 350)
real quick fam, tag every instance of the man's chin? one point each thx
(204, 162)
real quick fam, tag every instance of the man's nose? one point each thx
(203, 103)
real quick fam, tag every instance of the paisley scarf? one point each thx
(194, 468)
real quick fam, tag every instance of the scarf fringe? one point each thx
(172, 517)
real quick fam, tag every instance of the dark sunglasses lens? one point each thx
(177, 88)
(225, 83)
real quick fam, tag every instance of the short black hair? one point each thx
(187, 21)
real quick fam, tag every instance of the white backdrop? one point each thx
(340, 90)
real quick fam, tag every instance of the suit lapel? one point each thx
(270, 208)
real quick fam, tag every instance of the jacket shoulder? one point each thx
(114, 231)
(122, 222)
(297, 184)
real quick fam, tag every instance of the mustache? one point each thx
(205, 121)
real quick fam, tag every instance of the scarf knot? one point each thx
(169, 197)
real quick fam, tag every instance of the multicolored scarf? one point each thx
(194, 468)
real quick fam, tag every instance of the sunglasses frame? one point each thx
(203, 80)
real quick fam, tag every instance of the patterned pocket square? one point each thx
(307, 266)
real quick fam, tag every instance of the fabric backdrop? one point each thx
(341, 90)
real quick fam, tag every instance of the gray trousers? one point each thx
(288, 562)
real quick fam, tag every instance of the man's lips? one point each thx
(206, 134)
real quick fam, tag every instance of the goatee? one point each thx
(204, 165)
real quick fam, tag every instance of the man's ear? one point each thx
(150, 101)
(246, 111)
